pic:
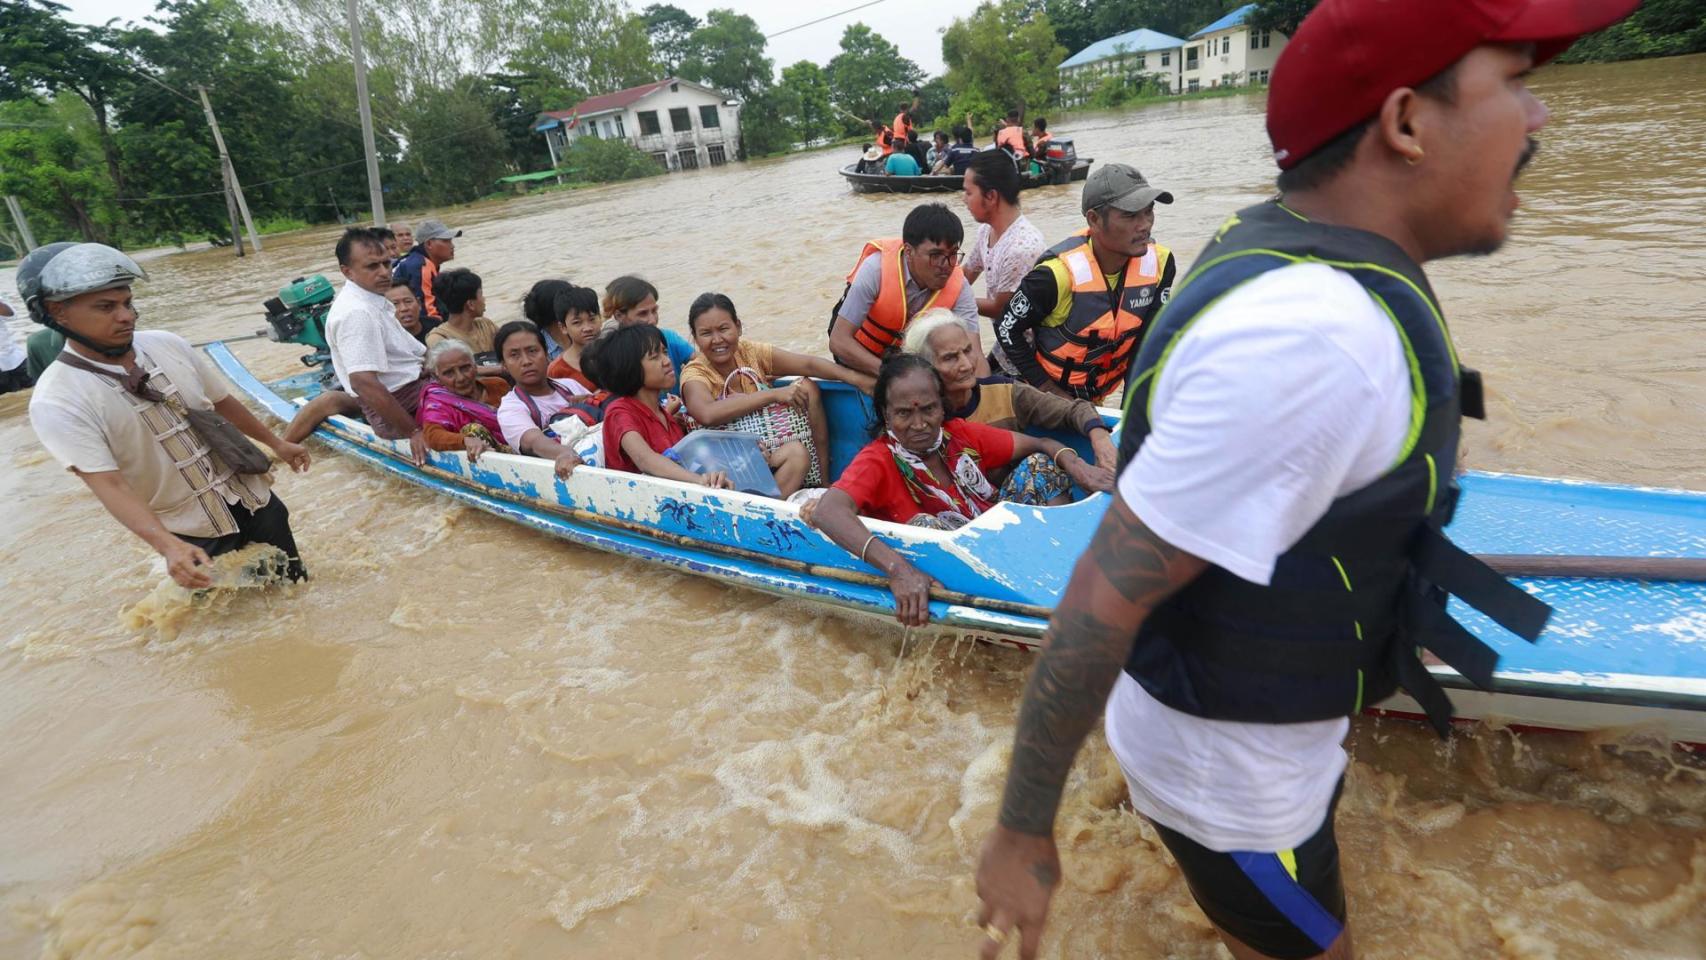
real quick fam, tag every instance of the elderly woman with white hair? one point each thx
(458, 408)
(941, 338)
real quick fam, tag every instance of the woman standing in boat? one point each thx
(458, 408)
(921, 469)
(730, 379)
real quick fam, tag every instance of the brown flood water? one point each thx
(463, 740)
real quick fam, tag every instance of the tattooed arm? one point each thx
(1127, 571)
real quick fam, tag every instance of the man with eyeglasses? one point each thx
(1077, 319)
(895, 280)
(375, 359)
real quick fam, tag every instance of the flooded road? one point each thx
(462, 740)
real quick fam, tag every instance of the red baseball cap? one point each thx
(1347, 55)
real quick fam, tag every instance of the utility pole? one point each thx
(231, 209)
(376, 194)
(232, 185)
(17, 211)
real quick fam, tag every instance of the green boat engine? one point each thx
(298, 315)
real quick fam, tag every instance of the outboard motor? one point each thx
(1058, 159)
(298, 315)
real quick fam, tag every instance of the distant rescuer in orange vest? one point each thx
(896, 279)
(1075, 324)
(1013, 137)
(1298, 401)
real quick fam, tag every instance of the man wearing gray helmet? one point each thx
(115, 410)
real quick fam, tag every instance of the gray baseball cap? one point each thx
(434, 230)
(1120, 186)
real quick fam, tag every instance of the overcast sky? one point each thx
(915, 28)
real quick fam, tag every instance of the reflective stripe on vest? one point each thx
(888, 316)
(1093, 347)
(1349, 605)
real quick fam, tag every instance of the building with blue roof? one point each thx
(1223, 53)
(1142, 52)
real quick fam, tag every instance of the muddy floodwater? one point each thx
(464, 740)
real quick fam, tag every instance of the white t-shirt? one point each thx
(363, 336)
(1290, 392)
(515, 421)
(1006, 263)
(12, 354)
(88, 423)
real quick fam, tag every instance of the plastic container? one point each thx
(735, 454)
(305, 291)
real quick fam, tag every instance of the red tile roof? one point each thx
(610, 101)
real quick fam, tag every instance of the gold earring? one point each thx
(1414, 158)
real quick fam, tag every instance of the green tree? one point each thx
(765, 121)
(671, 30)
(805, 91)
(455, 150)
(1002, 56)
(1281, 16)
(869, 77)
(49, 158)
(42, 52)
(592, 160)
(727, 54)
(581, 48)
(1658, 28)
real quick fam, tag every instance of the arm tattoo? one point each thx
(1127, 571)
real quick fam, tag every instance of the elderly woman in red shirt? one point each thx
(921, 469)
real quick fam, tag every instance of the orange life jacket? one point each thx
(886, 141)
(1013, 138)
(903, 129)
(1041, 143)
(1089, 352)
(888, 316)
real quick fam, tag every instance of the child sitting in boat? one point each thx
(458, 408)
(921, 469)
(728, 385)
(633, 363)
(527, 413)
(574, 324)
(629, 300)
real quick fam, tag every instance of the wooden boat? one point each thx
(1618, 652)
(951, 183)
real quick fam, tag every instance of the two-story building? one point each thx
(1228, 52)
(1138, 53)
(682, 124)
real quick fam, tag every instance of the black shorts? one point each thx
(1289, 905)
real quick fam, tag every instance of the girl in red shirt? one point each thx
(633, 363)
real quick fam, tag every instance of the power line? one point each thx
(813, 23)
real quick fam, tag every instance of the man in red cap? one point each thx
(1274, 556)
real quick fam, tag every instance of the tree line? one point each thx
(103, 136)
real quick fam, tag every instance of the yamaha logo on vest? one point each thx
(1143, 297)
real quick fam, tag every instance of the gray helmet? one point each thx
(60, 271)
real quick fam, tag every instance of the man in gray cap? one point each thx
(1075, 323)
(115, 410)
(435, 244)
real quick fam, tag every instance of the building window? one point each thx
(687, 159)
(675, 88)
(1194, 86)
(590, 130)
(1142, 62)
(1225, 45)
(1166, 59)
(718, 157)
(1191, 58)
(1260, 77)
(662, 159)
(620, 133)
(708, 118)
(649, 124)
(681, 120)
(1259, 39)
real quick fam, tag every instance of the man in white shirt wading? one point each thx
(1270, 563)
(113, 410)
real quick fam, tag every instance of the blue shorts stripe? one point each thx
(1292, 901)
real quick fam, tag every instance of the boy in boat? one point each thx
(115, 410)
(1292, 413)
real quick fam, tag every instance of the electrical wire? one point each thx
(813, 23)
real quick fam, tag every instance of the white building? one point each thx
(683, 125)
(1228, 53)
(1137, 53)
